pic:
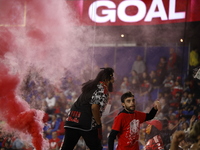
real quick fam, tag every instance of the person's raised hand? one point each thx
(157, 105)
(178, 136)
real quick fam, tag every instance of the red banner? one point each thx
(106, 12)
(135, 12)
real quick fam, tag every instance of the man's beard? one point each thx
(129, 110)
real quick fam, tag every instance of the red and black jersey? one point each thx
(80, 116)
(154, 143)
(128, 125)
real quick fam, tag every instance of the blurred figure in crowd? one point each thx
(153, 137)
(139, 65)
(193, 136)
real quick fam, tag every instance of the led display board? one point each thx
(135, 12)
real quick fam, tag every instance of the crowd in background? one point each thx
(179, 98)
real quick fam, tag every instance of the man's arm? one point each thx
(111, 139)
(153, 111)
(96, 113)
(177, 137)
(151, 114)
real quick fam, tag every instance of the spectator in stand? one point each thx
(69, 87)
(182, 119)
(51, 126)
(167, 132)
(144, 76)
(142, 135)
(175, 101)
(193, 119)
(153, 79)
(167, 96)
(168, 83)
(57, 108)
(161, 70)
(184, 100)
(74, 97)
(54, 142)
(135, 86)
(7, 142)
(160, 96)
(134, 75)
(194, 59)
(125, 85)
(153, 136)
(188, 85)
(134, 82)
(17, 144)
(185, 127)
(145, 89)
(50, 101)
(164, 108)
(67, 109)
(194, 136)
(172, 61)
(7, 146)
(173, 118)
(61, 102)
(188, 109)
(177, 88)
(139, 65)
(61, 130)
(191, 100)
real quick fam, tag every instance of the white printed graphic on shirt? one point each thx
(132, 134)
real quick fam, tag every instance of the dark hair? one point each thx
(90, 86)
(104, 75)
(126, 95)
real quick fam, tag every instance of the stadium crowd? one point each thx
(179, 98)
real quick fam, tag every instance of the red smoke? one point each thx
(15, 111)
(36, 33)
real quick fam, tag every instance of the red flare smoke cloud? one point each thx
(14, 111)
(34, 33)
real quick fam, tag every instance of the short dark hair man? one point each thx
(126, 125)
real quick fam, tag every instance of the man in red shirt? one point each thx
(126, 125)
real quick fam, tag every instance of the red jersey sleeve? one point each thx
(117, 123)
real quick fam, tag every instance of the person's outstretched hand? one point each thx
(157, 105)
(178, 136)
